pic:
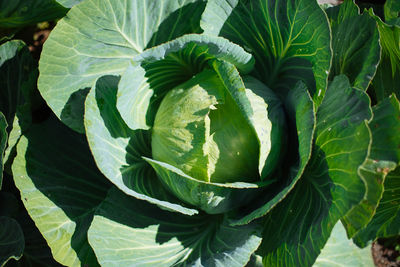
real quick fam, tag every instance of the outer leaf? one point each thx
(385, 148)
(60, 187)
(11, 240)
(289, 39)
(299, 226)
(68, 3)
(355, 43)
(101, 37)
(387, 78)
(130, 232)
(19, 13)
(166, 66)
(384, 158)
(3, 143)
(18, 76)
(341, 252)
(36, 252)
(301, 111)
(118, 150)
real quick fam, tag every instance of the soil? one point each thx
(385, 254)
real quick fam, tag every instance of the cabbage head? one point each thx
(211, 133)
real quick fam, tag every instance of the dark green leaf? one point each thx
(18, 76)
(387, 78)
(11, 240)
(298, 227)
(3, 143)
(385, 150)
(20, 13)
(129, 232)
(355, 43)
(290, 40)
(301, 110)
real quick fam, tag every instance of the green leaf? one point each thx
(36, 252)
(211, 140)
(166, 66)
(252, 99)
(387, 78)
(290, 40)
(99, 38)
(11, 240)
(355, 43)
(391, 11)
(20, 13)
(341, 252)
(18, 76)
(298, 227)
(3, 143)
(129, 232)
(118, 150)
(301, 112)
(385, 149)
(60, 187)
(213, 198)
(68, 3)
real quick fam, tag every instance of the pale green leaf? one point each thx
(118, 150)
(129, 232)
(68, 3)
(60, 187)
(166, 66)
(341, 252)
(99, 38)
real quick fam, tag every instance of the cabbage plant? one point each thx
(213, 133)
